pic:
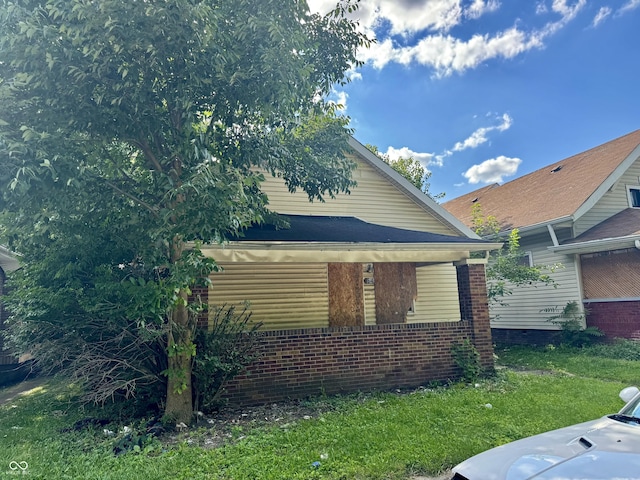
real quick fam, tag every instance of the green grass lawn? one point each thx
(377, 436)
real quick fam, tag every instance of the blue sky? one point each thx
(484, 91)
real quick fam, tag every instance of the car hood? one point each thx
(600, 449)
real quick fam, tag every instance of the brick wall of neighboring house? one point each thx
(314, 361)
(615, 319)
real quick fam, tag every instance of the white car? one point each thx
(608, 448)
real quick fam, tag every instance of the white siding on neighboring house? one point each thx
(612, 202)
(374, 200)
(280, 295)
(524, 306)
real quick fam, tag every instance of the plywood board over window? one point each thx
(396, 290)
(614, 274)
(346, 295)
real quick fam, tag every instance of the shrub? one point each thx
(224, 351)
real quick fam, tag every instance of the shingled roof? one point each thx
(310, 228)
(553, 192)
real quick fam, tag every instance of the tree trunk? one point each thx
(179, 405)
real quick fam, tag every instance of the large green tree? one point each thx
(138, 126)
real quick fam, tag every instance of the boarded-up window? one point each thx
(346, 295)
(613, 274)
(396, 290)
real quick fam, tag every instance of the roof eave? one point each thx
(600, 245)
(318, 252)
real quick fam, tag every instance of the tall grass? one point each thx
(375, 436)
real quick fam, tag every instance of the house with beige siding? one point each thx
(582, 212)
(365, 290)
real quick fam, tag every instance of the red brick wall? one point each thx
(615, 319)
(306, 362)
(314, 361)
(472, 292)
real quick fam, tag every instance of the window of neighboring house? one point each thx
(526, 260)
(633, 193)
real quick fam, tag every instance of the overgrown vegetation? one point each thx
(508, 267)
(359, 437)
(226, 348)
(151, 124)
(467, 358)
(571, 320)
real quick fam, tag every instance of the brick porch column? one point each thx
(474, 306)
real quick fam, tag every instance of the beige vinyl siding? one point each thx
(281, 296)
(369, 295)
(524, 306)
(612, 202)
(374, 200)
(437, 294)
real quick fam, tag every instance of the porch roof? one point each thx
(311, 238)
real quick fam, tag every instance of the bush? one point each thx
(223, 351)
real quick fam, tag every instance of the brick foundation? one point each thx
(615, 319)
(307, 362)
(514, 336)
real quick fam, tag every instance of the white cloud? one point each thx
(630, 5)
(339, 98)
(480, 7)
(492, 170)
(425, 159)
(603, 13)
(480, 135)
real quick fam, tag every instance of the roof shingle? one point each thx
(550, 192)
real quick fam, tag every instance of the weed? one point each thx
(466, 357)
(571, 320)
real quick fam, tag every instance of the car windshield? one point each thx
(632, 409)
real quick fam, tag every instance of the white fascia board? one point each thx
(609, 182)
(410, 190)
(600, 245)
(537, 227)
(268, 252)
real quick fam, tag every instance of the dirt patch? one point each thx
(26, 387)
(231, 425)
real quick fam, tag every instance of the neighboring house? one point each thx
(582, 212)
(9, 363)
(366, 290)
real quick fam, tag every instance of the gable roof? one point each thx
(561, 190)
